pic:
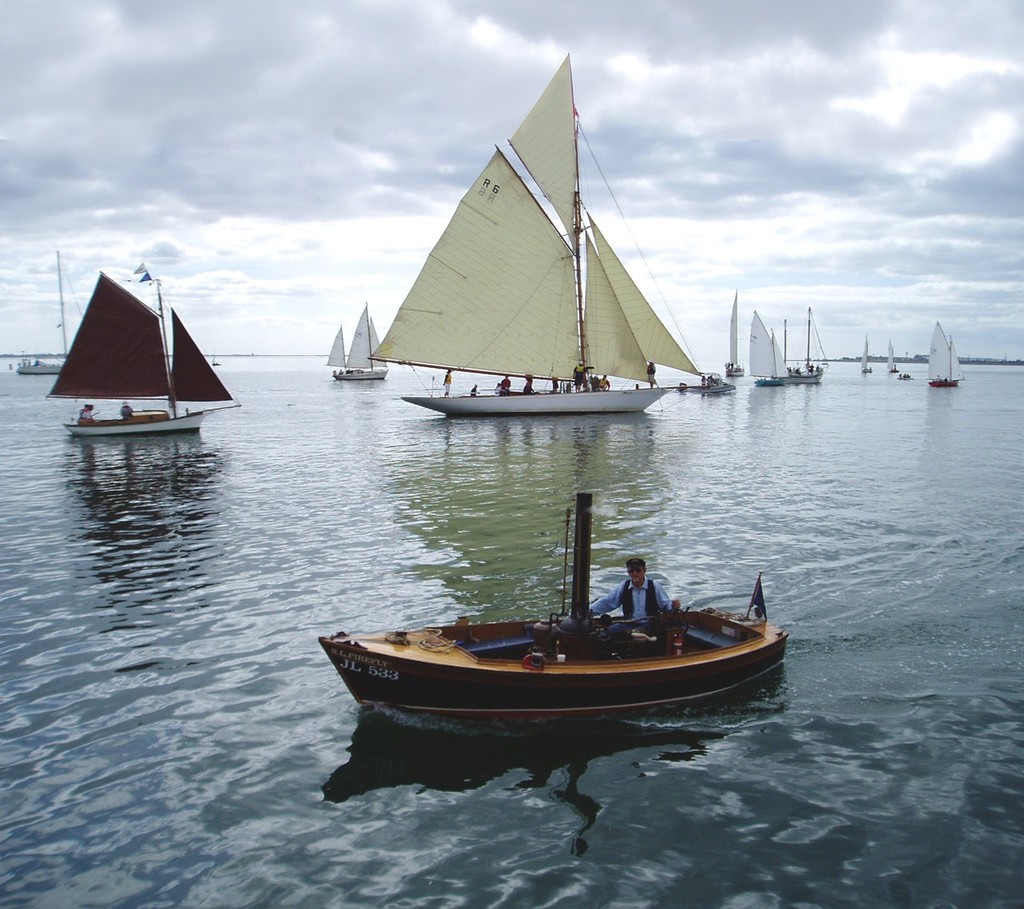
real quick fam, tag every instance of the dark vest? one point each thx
(626, 599)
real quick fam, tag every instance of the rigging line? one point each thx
(636, 246)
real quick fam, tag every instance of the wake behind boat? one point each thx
(120, 353)
(558, 664)
(503, 291)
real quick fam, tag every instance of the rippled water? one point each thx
(173, 736)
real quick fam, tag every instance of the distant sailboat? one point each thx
(357, 365)
(766, 362)
(943, 364)
(40, 367)
(810, 373)
(121, 353)
(864, 368)
(503, 290)
(891, 366)
(733, 368)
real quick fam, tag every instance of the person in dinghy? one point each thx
(641, 599)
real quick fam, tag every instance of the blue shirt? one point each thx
(610, 601)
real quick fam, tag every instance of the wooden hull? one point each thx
(429, 673)
(143, 422)
(542, 404)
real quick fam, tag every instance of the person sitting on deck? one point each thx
(85, 415)
(641, 599)
(126, 411)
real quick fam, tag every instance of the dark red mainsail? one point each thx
(118, 352)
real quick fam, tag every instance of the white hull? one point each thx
(734, 372)
(804, 380)
(590, 402)
(43, 369)
(138, 426)
(356, 375)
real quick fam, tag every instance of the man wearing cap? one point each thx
(639, 597)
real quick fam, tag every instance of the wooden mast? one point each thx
(172, 398)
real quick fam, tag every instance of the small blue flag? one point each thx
(757, 601)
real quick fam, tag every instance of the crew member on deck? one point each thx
(85, 415)
(579, 374)
(640, 598)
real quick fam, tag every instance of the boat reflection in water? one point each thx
(388, 752)
(495, 560)
(148, 508)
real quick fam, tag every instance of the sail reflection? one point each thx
(147, 510)
(487, 499)
(388, 752)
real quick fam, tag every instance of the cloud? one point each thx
(292, 161)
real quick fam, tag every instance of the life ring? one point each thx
(534, 662)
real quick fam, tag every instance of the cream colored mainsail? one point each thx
(611, 346)
(651, 340)
(496, 293)
(546, 144)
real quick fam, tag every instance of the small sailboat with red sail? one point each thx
(121, 353)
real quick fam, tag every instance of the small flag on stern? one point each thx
(757, 601)
(143, 273)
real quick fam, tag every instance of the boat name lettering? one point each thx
(487, 187)
(377, 668)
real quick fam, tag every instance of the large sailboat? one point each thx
(357, 365)
(507, 292)
(766, 361)
(810, 373)
(733, 368)
(121, 353)
(30, 367)
(864, 368)
(943, 363)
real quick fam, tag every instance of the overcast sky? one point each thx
(279, 164)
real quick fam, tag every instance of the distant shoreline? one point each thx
(922, 359)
